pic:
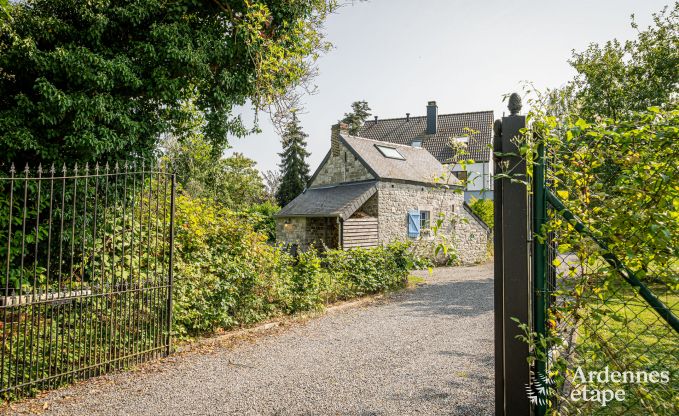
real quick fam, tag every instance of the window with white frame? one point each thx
(425, 220)
(390, 152)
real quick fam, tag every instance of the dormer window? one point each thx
(390, 152)
(416, 143)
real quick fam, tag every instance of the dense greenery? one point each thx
(610, 138)
(226, 274)
(616, 78)
(294, 167)
(484, 209)
(360, 111)
(619, 178)
(102, 80)
(232, 182)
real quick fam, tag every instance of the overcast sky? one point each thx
(464, 54)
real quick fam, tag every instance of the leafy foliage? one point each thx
(484, 209)
(226, 275)
(619, 178)
(619, 77)
(102, 80)
(360, 111)
(294, 168)
(261, 216)
(232, 182)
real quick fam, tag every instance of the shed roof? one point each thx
(330, 201)
(405, 130)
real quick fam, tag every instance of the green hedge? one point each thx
(227, 275)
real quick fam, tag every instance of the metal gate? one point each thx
(578, 329)
(87, 272)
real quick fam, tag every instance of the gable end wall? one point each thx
(459, 229)
(335, 170)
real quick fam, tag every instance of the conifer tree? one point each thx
(360, 111)
(294, 168)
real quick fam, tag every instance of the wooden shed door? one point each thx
(360, 232)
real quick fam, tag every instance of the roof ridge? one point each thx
(335, 185)
(440, 115)
(382, 142)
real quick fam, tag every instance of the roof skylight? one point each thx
(390, 152)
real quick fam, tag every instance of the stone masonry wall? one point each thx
(336, 170)
(322, 232)
(472, 237)
(292, 233)
(459, 230)
(307, 231)
(369, 208)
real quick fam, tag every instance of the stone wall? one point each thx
(459, 230)
(369, 208)
(471, 238)
(340, 168)
(308, 231)
(322, 232)
(294, 232)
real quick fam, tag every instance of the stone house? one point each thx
(366, 193)
(471, 131)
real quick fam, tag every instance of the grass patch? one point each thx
(621, 331)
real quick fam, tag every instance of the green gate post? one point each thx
(539, 266)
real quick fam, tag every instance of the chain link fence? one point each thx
(611, 298)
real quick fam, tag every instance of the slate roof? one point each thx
(418, 164)
(400, 131)
(330, 201)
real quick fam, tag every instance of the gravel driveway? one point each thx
(427, 351)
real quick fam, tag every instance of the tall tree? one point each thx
(616, 78)
(294, 168)
(360, 111)
(104, 79)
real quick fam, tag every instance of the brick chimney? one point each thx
(432, 117)
(335, 131)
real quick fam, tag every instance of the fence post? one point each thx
(539, 261)
(512, 268)
(170, 273)
(497, 263)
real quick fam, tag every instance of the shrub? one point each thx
(227, 275)
(484, 209)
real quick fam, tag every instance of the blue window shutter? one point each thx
(414, 223)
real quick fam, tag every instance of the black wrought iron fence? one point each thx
(87, 272)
